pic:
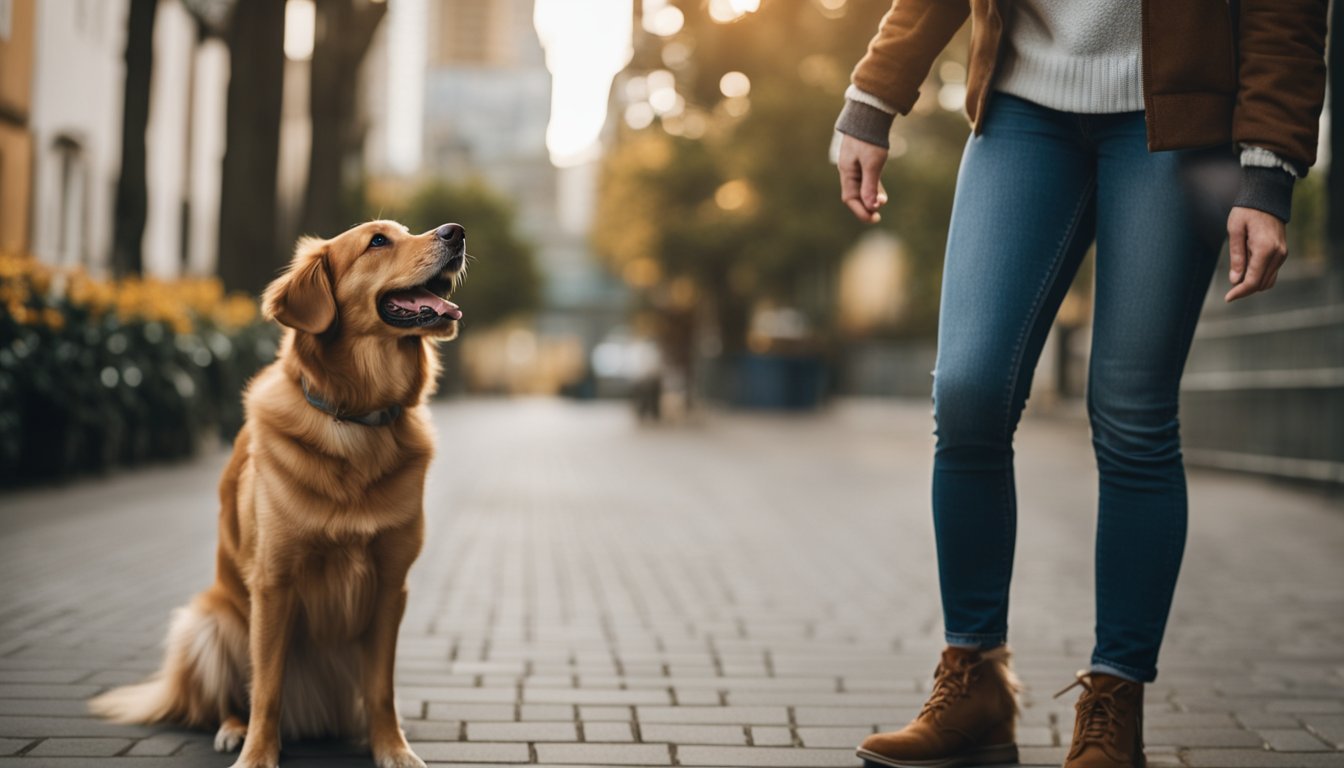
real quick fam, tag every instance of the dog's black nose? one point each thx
(451, 233)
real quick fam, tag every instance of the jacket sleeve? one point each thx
(1281, 77)
(911, 36)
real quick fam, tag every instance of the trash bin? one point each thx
(780, 382)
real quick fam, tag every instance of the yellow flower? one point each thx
(53, 318)
(179, 304)
(21, 314)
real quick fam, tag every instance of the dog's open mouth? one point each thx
(421, 306)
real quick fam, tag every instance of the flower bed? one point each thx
(96, 374)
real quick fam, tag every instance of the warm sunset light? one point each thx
(300, 26)
(724, 11)
(587, 42)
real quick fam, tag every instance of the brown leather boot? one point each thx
(1108, 731)
(970, 718)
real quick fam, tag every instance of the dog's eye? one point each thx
(379, 240)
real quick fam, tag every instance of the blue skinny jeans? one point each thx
(1035, 189)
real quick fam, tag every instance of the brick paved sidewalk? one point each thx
(751, 591)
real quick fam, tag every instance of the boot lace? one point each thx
(1099, 713)
(950, 684)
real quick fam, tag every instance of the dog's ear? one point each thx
(302, 298)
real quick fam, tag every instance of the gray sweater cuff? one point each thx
(865, 123)
(1266, 189)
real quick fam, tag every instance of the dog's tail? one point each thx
(203, 677)
(147, 702)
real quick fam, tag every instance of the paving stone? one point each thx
(39, 691)
(604, 754)
(697, 697)
(608, 732)
(45, 707)
(1328, 727)
(833, 737)
(1190, 719)
(795, 698)
(13, 746)
(470, 752)
(546, 712)
(79, 747)
(1051, 756)
(780, 757)
(1253, 758)
(161, 745)
(522, 732)
(598, 696)
(771, 736)
(1202, 737)
(1255, 720)
(203, 761)
(432, 730)
(1037, 736)
(69, 727)
(845, 715)
(1292, 740)
(471, 712)
(723, 715)
(684, 604)
(459, 695)
(602, 714)
(693, 734)
(57, 675)
(1302, 706)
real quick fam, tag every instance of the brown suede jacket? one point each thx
(1211, 76)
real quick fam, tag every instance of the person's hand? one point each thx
(1258, 243)
(860, 178)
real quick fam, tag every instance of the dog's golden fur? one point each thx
(319, 520)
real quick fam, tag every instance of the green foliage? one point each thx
(503, 280)
(98, 375)
(1307, 229)
(785, 241)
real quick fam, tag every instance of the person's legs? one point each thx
(1022, 219)
(1153, 270)
(1021, 222)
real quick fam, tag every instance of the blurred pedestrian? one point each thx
(1087, 117)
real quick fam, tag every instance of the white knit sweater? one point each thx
(1082, 56)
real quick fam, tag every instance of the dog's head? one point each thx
(376, 279)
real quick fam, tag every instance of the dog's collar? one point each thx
(379, 418)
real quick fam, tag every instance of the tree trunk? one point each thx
(345, 30)
(132, 195)
(248, 257)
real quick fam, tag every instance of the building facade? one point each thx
(77, 84)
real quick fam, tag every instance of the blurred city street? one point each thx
(742, 590)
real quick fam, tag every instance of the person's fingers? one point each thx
(1280, 257)
(860, 167)
(1257, 267)
(871, 184)
(861, 212)
(850, 175)
(1236, 247)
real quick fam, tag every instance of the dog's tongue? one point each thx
(415, 299)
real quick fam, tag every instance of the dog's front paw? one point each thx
(401, 757)
(230, 736)
(258, 758)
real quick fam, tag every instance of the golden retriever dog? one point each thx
(321, 508)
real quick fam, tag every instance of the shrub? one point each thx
(96, 374)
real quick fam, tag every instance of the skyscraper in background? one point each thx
(486, 105)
